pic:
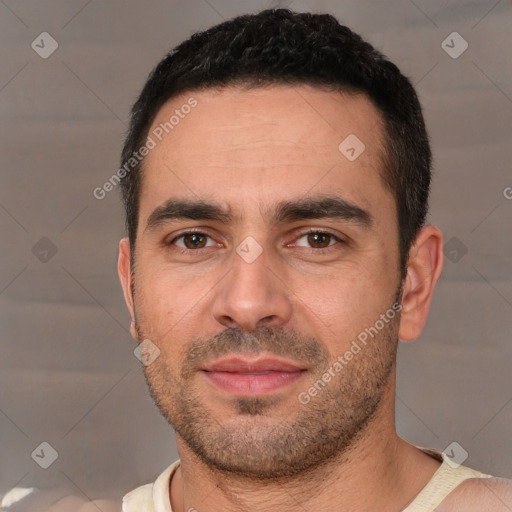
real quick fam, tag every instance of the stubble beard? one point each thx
(258, 441)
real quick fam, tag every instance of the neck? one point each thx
(380, 471)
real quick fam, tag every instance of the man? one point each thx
(275, 179)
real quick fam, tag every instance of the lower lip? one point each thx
(248, 384)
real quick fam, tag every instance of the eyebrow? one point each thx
(329, 207)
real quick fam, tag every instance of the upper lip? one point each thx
(244, 364)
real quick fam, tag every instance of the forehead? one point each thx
(251, 147)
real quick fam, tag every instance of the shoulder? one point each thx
(75, 504)
(477, 494)
(53, 500)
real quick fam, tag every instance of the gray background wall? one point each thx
(68, 373)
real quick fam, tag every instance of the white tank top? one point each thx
(155, 497)
(447, 477)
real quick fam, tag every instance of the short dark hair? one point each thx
(279, 46)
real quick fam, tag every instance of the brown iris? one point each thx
(194, 240)
(319, 240)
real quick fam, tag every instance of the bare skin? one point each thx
(478, 495)
(247, 151)
(76, 504)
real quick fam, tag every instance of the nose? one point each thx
(252, 295)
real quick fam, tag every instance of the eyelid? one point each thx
(189, 231)
(323, 231)
(203, 231)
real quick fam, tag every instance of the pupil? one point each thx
(319, 239)
(194, 241)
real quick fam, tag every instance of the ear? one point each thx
(125, 276)
(423, 270)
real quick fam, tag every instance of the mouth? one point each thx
(258, 376)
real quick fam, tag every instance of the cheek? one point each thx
(161, 305)
(342, 304)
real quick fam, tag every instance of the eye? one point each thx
(192, 240)
(318, 239)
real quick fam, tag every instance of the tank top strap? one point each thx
(447, 477)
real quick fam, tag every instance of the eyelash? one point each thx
(320, 250)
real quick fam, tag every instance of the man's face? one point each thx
(252, 307)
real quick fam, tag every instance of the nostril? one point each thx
(267, 320)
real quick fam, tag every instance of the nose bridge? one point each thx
(251, 294)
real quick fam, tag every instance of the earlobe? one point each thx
(423, 270)
(125, 276)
